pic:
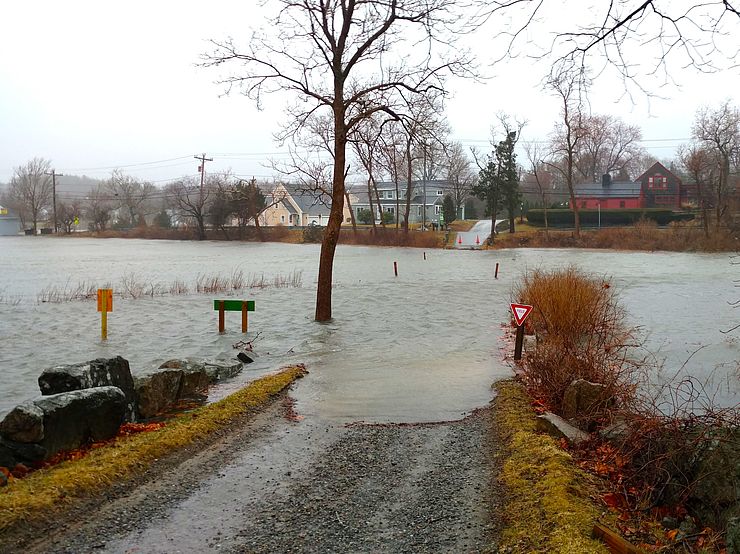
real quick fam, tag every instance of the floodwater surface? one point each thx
(423, 346)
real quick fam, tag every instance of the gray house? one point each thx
(389, 202)
(10, 224)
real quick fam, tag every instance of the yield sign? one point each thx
(520, 311)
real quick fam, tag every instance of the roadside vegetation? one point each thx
(548, 506)
(644, 235)
(102, 465)
(666, 457)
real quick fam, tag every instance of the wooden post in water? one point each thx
(495, 276)
(395, 268)
(105, 305)
(104, 318)
(221, 317)
(425, 255)
(519, 343)
(244, 317)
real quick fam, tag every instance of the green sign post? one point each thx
(242, 306)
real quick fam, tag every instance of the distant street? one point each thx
(476, 236)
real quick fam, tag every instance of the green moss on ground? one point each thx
(46, 489)
(547, 505)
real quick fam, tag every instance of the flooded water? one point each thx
(422, 346)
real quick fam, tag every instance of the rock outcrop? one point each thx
(95, 373)
(62, 422)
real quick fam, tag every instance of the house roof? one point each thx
(617, 189)
(657, 166)
(288, 206)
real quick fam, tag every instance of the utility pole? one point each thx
(54, 176)
(202, 170)
(424, 190)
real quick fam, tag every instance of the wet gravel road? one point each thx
(273, 484)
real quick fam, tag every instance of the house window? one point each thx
(282, 219)
(418, 210)
(436, 210)
(622, 204)
(439, 192)
(390, 210)
(389, 194)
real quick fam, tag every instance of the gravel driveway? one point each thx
(273, 484)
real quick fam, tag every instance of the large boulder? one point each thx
(156, 391)
(194, 379)
(95, 373)
(65, 421)
(583, 399)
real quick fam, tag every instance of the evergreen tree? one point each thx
(448, 209)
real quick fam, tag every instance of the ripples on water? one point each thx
(420, 347)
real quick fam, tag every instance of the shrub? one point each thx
(608, 217)
(365, 216)
(313, 233)
(388, 218)
(581, 335)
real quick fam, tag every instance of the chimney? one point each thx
(606, 180)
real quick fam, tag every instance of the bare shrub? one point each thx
(678, 448)
(178, 287)
(581, 335)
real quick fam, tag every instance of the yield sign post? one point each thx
(520, 311)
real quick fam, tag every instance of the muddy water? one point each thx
(418, 347)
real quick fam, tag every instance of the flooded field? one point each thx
(422, 346)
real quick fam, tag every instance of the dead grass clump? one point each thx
(644, 235)
(581, 335)
(211, 283)
(46, 489)
(390, 236)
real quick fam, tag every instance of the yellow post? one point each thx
(104, 316)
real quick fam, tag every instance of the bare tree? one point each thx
(334, 55)
(566, 83)
(699, 164)
(719, 131)
(68, 214)
(542, 179)
(460, 176)
(98, 208)
(131, 194)
(192, 199)
(608, 145)
(30, 189)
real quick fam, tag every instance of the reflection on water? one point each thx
(419, 347)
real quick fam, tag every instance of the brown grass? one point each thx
(390, 236)
(645, 235)
(581, 335)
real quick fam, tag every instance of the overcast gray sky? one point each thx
(98, 85)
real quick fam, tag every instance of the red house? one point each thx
(656, 188)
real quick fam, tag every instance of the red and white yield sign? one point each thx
(520, 311)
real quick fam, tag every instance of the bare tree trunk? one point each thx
(351, 212)
(260, 234)
(331, 234)
(370, 201)
(409, 191)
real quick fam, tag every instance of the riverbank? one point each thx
(48, 494)
(643, 236)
